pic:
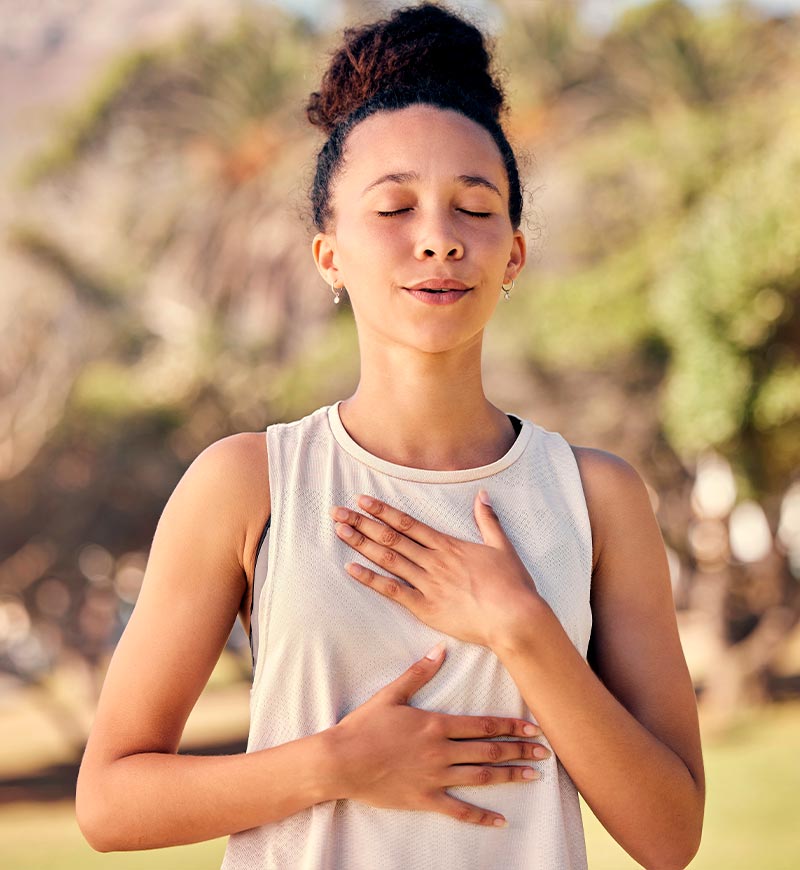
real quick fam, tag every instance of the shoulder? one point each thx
(606, 475)
(229, 480)
(233, 468)
(232, 460)
(613, 489)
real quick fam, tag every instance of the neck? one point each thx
(426, 410)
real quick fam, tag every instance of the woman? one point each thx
(532, 571)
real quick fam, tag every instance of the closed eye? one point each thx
(477, 214)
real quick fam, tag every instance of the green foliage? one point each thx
(79, 128)
(211, 84)
(664, 52)
(543, 46)
(105, 391)
(727, 298)
(585, 319)
(778, 400)
(330, 357)
(96, 291)
(682, 229)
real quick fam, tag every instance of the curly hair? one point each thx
(419, 55)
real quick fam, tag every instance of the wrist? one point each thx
(328, 765)
(523, 633)
(334, 766)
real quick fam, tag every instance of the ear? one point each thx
(323, 249)
(517, 256)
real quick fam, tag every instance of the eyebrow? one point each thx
(408, 177)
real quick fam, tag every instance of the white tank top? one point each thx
(326, 644)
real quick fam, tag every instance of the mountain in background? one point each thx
(52, 50)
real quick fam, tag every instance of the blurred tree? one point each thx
(728, 303)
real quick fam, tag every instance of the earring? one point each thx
(507, 290)
(336, 296)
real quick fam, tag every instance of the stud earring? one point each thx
(336, 297)
(507, 290)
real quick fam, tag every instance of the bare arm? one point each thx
(134, 791)
(628, 734)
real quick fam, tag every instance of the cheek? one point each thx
(370, 247)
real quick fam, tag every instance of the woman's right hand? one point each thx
(396, 756)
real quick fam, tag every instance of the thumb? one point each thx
(488, 524)
(401, 689)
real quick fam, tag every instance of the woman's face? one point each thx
(421, 200)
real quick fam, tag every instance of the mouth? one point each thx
(437, 295)
(439, 285)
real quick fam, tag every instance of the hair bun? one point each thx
(419, 43)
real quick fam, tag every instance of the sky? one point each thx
(602, 12)
(599, 13)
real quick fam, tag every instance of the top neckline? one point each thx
(426, 475)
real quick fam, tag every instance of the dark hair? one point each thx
(420, 55)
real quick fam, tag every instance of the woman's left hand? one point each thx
(476, 592)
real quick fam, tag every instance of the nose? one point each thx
(438, 239)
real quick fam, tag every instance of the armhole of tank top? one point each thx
(259, 576)
(583, 510)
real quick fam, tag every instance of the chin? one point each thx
(438, 343)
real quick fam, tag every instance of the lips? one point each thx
(442, 283)
(436, 296)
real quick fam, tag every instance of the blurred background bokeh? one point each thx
(157, 293)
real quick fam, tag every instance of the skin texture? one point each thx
(625, 728)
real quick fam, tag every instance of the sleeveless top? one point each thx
(323, 644)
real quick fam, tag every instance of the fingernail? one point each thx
(345, 531)
(531, 730)
(339, 513)
(530, 773)
(500, 823)
(484, 497)
(541, 752)
(367, 502)
(434, 653)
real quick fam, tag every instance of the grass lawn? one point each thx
(751, 818)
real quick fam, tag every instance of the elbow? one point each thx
(677, 857)
(689, 845)
(88, 814)
(92, 814)
(676, 851)
(91, 826)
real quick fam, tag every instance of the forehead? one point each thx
(426, 140)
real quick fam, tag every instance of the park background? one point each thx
(157, 293)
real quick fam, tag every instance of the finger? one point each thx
(471, 774)
(464, 812)
(410, 598)
(380, 533)
(487, 520)
(407, 525)
(495, 751)
(384, 556)
(401, 689)
(466, 727)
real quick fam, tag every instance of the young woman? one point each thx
(412, 517)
